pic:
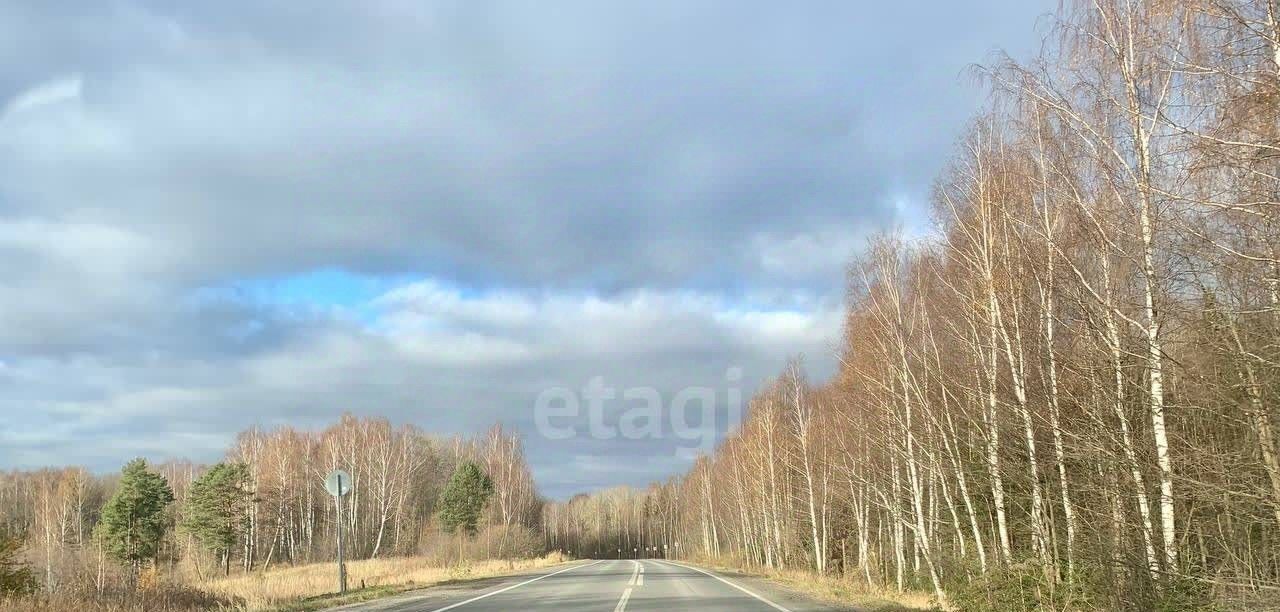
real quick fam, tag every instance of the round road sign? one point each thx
(338, 484)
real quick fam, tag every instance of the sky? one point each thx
(219, 215)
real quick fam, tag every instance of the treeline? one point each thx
(1066, 399)
(266, 503)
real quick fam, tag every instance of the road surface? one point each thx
(618, 585)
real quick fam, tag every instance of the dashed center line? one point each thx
(637, 580)
(622, 603)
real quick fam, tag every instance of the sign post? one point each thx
(338, 484)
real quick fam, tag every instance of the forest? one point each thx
(1064, 397)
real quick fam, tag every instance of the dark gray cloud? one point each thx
(704, 169)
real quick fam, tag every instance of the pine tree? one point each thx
(464, 498)
(218, 509)
(15, 577)
(134, 520)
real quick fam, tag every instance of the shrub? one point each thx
(1185, 595)
(1024, 587)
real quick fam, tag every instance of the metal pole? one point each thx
(342, 568)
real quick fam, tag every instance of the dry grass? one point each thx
(844, 590)
(836, 589)
(154, 591)
(166, 597)
(285, 586)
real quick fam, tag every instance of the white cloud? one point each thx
(431, 318)
(821, 253)
(56, 91)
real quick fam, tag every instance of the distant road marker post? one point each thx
(338, 484)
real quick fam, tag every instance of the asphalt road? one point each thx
(617, 585)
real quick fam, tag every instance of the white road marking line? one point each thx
(635, 572)
(622, 603)
(640, 580)
(514, 586)
(744, 590)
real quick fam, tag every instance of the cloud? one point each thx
(220, 214)
(435, 355)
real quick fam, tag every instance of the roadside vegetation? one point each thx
(258, 531)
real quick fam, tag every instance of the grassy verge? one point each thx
(325, 602)
(834, 589)
(310, 587)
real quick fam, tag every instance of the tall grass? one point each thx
(164, 597)
(83, 586)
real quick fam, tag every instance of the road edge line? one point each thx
(740, 588)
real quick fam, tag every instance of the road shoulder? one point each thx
(427, 597)
(782, 592)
